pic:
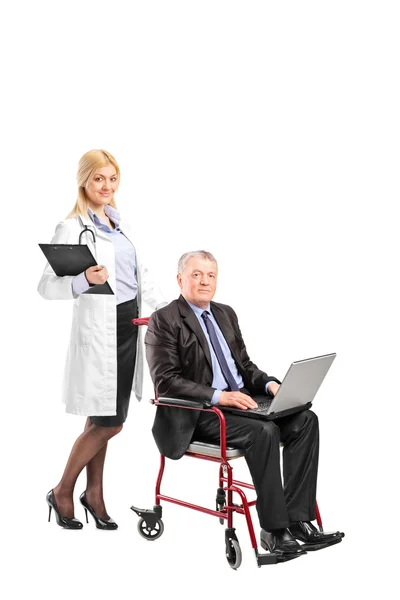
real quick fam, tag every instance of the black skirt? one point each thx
(126, 355)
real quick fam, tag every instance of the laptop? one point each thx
(296, 392)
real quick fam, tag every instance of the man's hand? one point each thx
(273, 388)
(237, 399)
(96, 275)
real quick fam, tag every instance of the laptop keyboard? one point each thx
(262, 406)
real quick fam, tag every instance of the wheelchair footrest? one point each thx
(150, 516)
(266, 559)
(321, 546)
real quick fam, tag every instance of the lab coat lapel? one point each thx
(103, 252)
(86, 220)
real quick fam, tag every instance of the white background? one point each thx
(267, 133)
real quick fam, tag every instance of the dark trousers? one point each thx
(278, 506)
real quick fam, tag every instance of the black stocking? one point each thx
(92, 442)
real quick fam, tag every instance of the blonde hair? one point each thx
(88, 165)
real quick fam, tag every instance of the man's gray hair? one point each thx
(198, 254)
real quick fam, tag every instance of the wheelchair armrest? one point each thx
(199, 404)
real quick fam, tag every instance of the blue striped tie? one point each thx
(219, 353)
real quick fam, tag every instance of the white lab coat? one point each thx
(90, 376)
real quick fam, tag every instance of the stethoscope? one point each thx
(86, 230)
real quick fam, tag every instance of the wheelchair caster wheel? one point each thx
(234, 554)
(232, 549)
(150, 532)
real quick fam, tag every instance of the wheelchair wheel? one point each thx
(148, 532)
(234, 554)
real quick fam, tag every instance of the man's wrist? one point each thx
(216, 397)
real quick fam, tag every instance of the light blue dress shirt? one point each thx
(125, 259)
(219, 381)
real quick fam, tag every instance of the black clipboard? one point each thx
(72, 259)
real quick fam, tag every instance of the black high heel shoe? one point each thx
(107, 525)
(65, 522)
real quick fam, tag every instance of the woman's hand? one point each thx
(96, 275)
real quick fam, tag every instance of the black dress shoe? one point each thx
(281, 543)
(65, 522)
(106, 524)
(314, 539)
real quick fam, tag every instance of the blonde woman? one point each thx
(104, 361)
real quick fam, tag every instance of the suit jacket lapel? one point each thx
(227, 329)
(192, 321)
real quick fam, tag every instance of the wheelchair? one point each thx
(151, 526)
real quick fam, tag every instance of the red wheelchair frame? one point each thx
(151, 526)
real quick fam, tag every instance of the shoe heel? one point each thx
(264, 545)
(65, 522)
(100, 523)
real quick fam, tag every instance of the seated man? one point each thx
(195, 351)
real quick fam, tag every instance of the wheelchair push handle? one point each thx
(141, 321)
